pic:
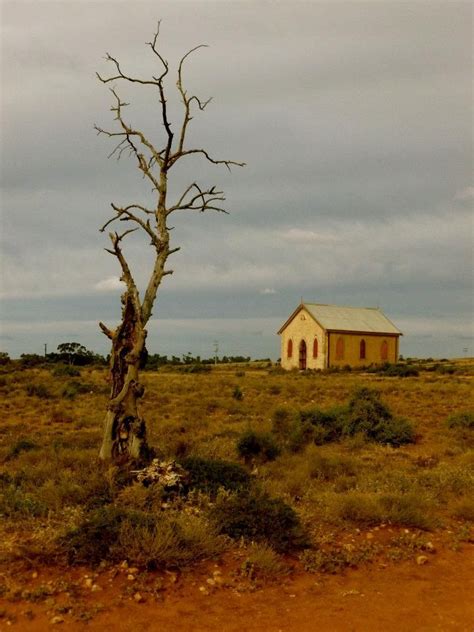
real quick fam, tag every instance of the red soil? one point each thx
(403, 597)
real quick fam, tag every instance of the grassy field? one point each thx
(60, 505)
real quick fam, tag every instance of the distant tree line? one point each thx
(75, 354)
(155, 360)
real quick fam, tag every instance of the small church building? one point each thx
(319, 336)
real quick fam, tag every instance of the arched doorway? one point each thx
(302, 355)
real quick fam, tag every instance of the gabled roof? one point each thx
(355, 319)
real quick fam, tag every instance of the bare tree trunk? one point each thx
(124, 436)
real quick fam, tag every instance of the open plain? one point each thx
(384, 531)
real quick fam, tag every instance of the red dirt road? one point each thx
(404, 597)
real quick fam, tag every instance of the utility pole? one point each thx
(45, 349)
(216, 350)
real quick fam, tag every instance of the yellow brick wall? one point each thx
(303, 327)
(373, 343)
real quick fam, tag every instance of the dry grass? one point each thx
(51, 427)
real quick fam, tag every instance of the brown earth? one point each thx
(403, 597)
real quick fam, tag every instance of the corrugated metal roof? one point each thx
(364, 319)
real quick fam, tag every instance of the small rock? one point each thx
(95, 588)
(210, 581)
(369, 536)
(203, 590)
(138, 597)
(421, 559)
(131, 578)
(133, 571)
(89, 583)
(173, 577)
(217, 572)
(124, 565)
(429, 546)
(57, 619)
(34, 574)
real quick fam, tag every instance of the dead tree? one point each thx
(125, 437)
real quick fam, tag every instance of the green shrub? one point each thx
(74, 388)
(330, 561)
(396, 432)
(359, 508)
(196, 368)
(238, 394)
(463, 509)
(16, 503)
(255, 516)
(463, 420)
(302, 433)
(329, 425)
(22, 445)
(282, 422)
(38, 390)
(253, 445)
(262, 562)
(367, 414)
(208, 475)
(330, 467)
(400, 370)
(174, 539)
(65, 370)
(92, 541)
(407, 510)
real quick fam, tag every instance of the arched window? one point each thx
(384, 350)
(289, 350)
(362, 350)
(315, 348)
(302, 357)
(340, 348)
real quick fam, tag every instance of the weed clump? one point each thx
(237, 394)
(22, 445)
(74, 388)
(255, 516)
(255, 445)
(209, 475)
(65, 370)
(38, 390)
(151, 540)
(463, 420)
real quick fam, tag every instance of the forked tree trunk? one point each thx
(124, 436)
(124, 430)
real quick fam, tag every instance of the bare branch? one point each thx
(201, 201)
(187, 101)
(127, 277)
(228, 163)
(108, 332)
(121, 75)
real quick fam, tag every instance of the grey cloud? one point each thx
(354, 119)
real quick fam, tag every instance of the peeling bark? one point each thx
(124, 436)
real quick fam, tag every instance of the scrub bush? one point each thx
(254, 445)
(367, 414)
(463, 420)
(255, 516)
(209, 475)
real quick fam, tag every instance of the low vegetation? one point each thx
(288, 467)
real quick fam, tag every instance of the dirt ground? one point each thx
(403, 597)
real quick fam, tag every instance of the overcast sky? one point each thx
(354, 120)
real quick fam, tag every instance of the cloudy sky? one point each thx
(354, 119)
